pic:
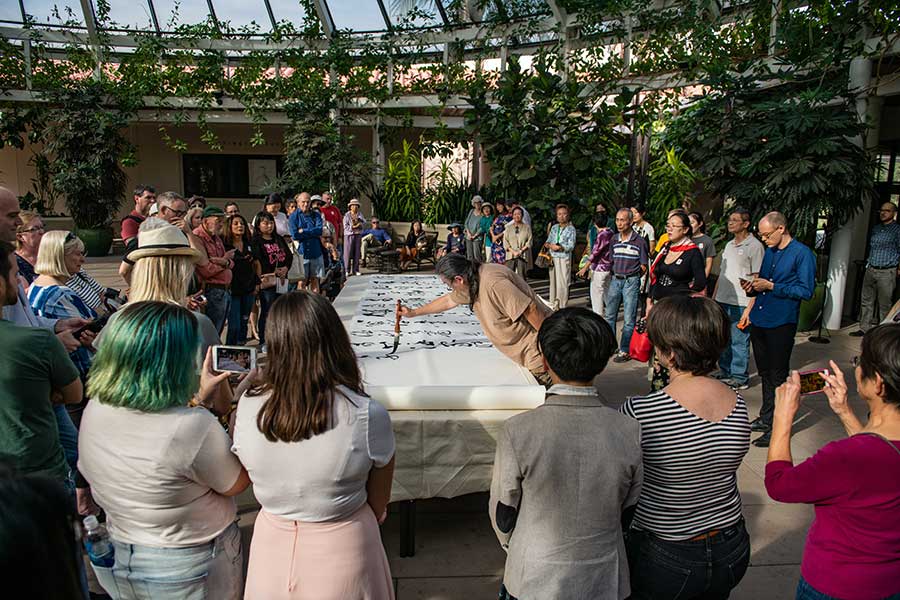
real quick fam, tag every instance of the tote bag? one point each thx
(640, 347)
(296, 272)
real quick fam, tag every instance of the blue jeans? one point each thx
(735, 360)
(808, 592)
(620, 290)
(238, 318)
(210, 570)
(68, 437)
(266, 298)
(705, 569)
(218, 303)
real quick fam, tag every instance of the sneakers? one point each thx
(735, 385)
(622, 357)
(358, 273)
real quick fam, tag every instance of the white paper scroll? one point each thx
(458, 397)
(444, 361)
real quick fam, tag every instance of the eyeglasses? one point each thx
(177, 213)
(769, 234)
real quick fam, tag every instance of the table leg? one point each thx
(408, 529)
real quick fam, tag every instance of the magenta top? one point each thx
(853, 546)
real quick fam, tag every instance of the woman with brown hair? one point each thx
(694, 434)
(320, 454)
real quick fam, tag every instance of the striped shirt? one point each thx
(87, 289)
(629, 255)
(690, 465)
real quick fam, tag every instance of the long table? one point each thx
(440, 453)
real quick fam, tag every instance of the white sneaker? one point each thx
(358, 273)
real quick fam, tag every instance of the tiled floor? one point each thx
(458, 557)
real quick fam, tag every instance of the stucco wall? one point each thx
(161, 166)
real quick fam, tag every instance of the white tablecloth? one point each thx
(444, 361)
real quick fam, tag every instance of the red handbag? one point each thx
(640, 347)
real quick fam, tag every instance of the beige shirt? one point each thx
(516, 242)
(503, 298)
(159, 476)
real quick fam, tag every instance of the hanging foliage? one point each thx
(796, 151)
(546, 142)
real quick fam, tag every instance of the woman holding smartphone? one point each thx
(320, 454)
(852, 549)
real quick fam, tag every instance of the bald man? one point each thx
(786, 278)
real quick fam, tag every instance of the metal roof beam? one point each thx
(325, 19)
(443, 12)
(426, 38)
(559, 13)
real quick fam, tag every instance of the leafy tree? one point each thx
(778, 149)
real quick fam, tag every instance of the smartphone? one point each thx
(200, 298)
(812, 382)
(96, 325)
(234, 359)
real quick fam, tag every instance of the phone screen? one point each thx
(234, 359)
(812, 382)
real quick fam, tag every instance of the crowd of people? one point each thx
(118, 409)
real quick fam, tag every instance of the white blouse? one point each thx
(324, 477)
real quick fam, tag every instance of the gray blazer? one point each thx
(569, 467)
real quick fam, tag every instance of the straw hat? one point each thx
(352, 202)
(165, 241)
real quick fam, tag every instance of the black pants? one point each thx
(707, 569)
(772, 350)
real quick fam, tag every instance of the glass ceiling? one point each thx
(164, 16)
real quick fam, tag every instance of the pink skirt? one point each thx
(335, 560)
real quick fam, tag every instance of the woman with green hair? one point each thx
(162, 470)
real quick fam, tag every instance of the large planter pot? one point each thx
(97, 242)
(811, 309)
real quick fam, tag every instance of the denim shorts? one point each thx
(211, 570)
(314, 267)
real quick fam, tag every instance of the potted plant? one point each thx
(86, 149)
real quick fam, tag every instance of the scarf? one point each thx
(684, 246)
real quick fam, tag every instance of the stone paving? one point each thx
(458, 557)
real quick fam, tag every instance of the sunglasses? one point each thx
(31, 229)
(70, 237)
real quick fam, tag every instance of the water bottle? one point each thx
(97, 543)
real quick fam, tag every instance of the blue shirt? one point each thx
(380, 234)
(309, 238)
(628, 256)
(884, 245)
(565, 237)
(793, 271)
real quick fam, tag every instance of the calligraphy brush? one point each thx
(396, 329)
